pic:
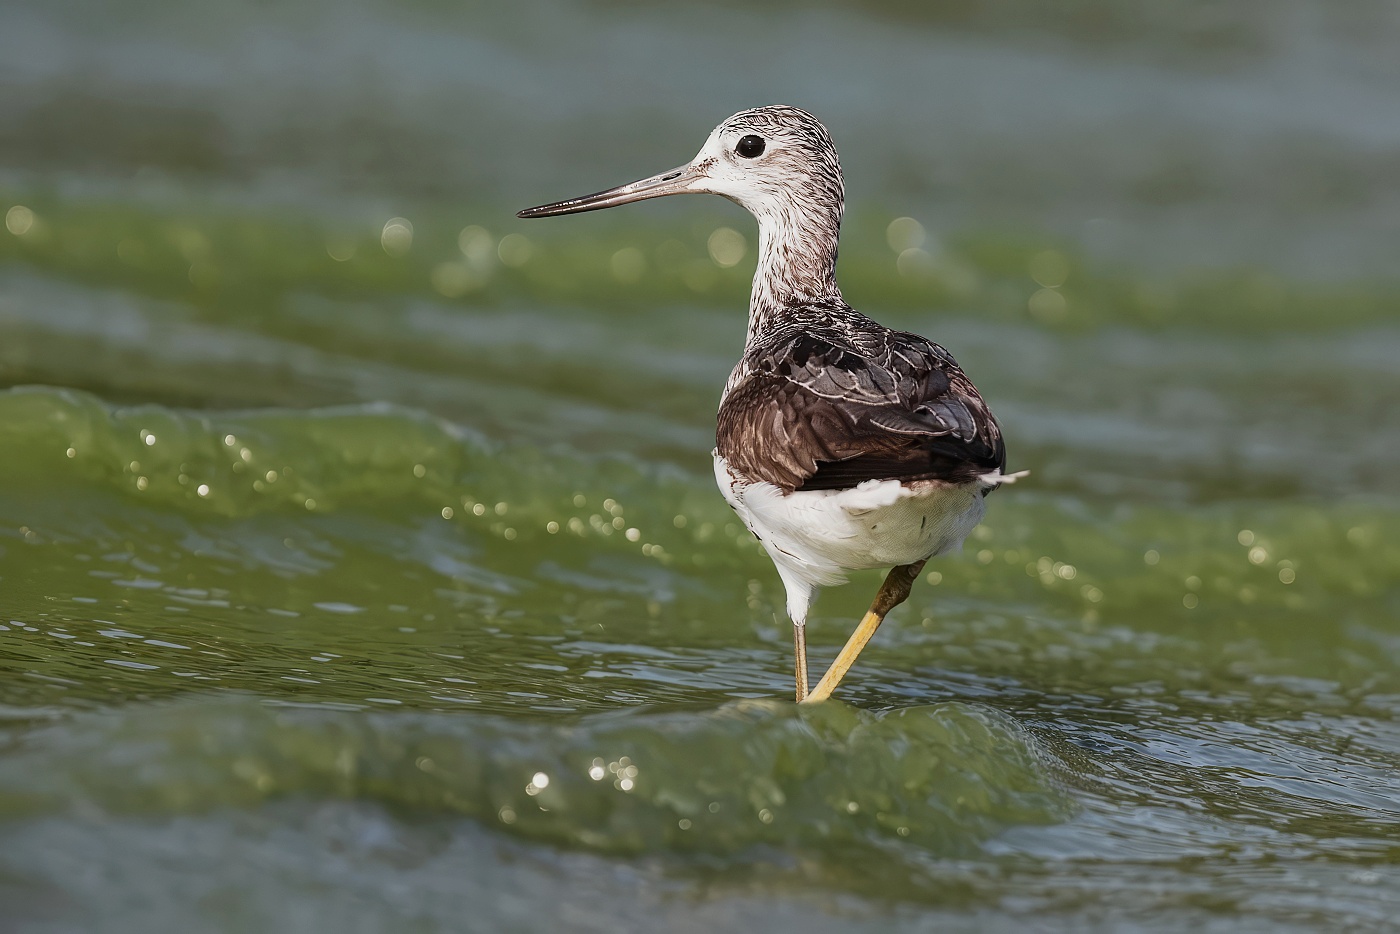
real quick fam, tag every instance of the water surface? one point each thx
(360, 563)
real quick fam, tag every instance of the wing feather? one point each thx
(808, 411)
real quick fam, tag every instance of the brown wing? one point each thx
(811, 414)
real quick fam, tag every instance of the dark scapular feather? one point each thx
(829, 399)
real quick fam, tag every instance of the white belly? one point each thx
(816, 536)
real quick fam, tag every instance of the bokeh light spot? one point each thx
(515, 250)
(726, 246)
(905, 233)
(628, 264)
(397, 236)
(19, 220)
(1047, 306)
(1049, 268)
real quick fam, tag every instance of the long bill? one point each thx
(674, 182)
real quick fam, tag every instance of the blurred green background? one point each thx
(360, 563)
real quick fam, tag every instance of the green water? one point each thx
(359, 581)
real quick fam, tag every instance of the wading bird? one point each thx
(842, 444)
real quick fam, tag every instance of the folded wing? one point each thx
(808, 412)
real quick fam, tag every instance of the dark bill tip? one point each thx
(571, 206)
(671, 183)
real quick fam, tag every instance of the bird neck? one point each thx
(796, 265)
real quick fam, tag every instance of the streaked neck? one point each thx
(796, 265)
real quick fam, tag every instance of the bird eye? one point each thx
(750, 147)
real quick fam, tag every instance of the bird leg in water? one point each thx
(893, 592)
(799, 641)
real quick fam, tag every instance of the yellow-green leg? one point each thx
(893, 592)
(799, 642)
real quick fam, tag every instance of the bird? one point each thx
(842, 444)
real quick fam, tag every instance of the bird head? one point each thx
(774, 161)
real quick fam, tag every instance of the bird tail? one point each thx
(997, 478)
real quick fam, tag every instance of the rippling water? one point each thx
(360, 562)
